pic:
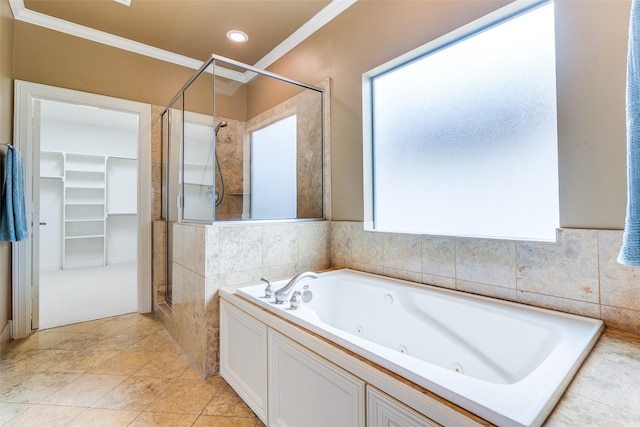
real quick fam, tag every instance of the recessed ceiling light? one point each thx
(237, 36)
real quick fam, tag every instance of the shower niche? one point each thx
(242, 144)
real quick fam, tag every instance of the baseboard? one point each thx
(82, 265)
(5, 337)
(121, 260)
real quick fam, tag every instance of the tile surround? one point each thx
(489, 262)
(567, 269)
(438, 256)
(613, 274)
(400, 252)
(206, 257)
(578, 274)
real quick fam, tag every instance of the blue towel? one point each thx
(13, 218)
(630, 252)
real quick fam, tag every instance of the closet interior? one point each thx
(88, 192)
(88, 229)
(92, 207)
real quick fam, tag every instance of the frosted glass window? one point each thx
(464, 138)
(273, 170)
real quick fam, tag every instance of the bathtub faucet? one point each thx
(283, 293)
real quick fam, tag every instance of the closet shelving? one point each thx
(51, 165)
(93, 187)
(84, 214)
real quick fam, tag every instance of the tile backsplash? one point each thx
(578, 274)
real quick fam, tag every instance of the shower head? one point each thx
(222, 124)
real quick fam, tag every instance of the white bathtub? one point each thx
(506, 362)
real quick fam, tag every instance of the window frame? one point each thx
(510, 11)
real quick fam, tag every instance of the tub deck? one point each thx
(506, 362)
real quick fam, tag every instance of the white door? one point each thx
(26, 254)
(35, 237)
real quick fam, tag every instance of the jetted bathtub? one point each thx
(506, 362)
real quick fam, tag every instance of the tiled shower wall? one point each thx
(579, 274)
(207, 257)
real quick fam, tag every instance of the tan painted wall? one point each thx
(591, 46)
(6, 134)
(591, 50)
(591, 68)
(56, 59)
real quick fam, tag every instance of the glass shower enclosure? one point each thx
(241, 144)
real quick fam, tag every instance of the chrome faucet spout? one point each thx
(283, 293)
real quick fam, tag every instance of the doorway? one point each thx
(88, 215)
(90, 222)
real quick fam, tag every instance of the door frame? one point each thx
(25, 94)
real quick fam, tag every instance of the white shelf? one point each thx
(84, 217)
(51, 164)
(84, 203)
(85, 171)
(90, 186)
(86, 186)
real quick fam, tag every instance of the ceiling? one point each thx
(194, 29)
(186, 32)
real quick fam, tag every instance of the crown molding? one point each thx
(319, 20)
(21, 13)
(333, 9)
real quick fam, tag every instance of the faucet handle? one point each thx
(268, 291)
(295, 300)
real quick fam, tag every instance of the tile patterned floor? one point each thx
(120, 371)
(127, 371)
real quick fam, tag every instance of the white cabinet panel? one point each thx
(243, 357)
(306, 390)
(384, 411)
